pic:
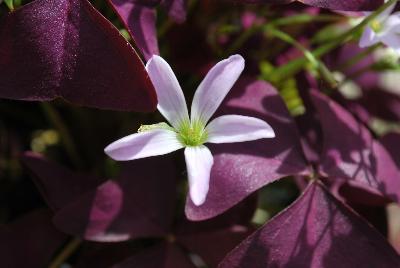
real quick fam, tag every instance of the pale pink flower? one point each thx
(385, 29)
(191, 132)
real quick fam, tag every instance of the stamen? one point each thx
(192, 133)
(376, 26)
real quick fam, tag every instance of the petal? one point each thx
(215, 86)
(368, 38)
(199, 161)
(238, 128)
(171, 101)
(144, 144)
(392, 41)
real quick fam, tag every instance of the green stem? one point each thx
(297, 19)
(10, 4)
(67, 251)
(55, 119)
(316, 64)
(291, 68)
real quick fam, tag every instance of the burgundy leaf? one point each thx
(391, 141)
(213, 245)
(65, 48)
(164, 255)
(140, 21)
(228, 229)
(57, 184)
(316, 231)
(382, 104)
(31, 239)
(348, 5)
(104, 255)
(139, 203)
(351, 153)
(176, 9)
(242, 168)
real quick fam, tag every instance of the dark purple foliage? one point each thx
(139, 17)
(351, 153)
(345, 5)
(31, 239)
(139, 203)
(65, 48)
(316, 231)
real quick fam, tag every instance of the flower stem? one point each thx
(296, 19)
(55, 119)
(325, 73)
(293, 67)
(67, 251)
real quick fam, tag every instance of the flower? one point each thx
(191, 132)
(385, 28)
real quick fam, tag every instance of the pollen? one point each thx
(192, 133)
(376, 26)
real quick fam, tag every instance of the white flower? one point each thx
(385, 29)
(191, 133)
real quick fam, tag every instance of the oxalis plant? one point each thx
(288, 155)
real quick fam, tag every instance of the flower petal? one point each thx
(199, 161)
(215, 86)
(171, 101)
(144, 144)
(368, 38)
(238, 128)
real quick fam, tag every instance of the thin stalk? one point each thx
(55, 119)
(67, 251)
(315, 62)
(296, 19)
(295, 66)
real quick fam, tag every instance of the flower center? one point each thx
(192, 133)
(376, 26)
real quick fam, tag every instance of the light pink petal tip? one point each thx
(368, 38)
(144, 144)
(215, 87)
(171, 101)
(238, 128)
(199, 161)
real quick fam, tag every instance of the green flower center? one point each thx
(376, 26)
(192, 134)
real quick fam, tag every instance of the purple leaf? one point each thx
(65, 48)
(203, 243)
(350, 152)
(57, 184)
(139, 203)
(348, 5)
(242, 168)
(164, 255)
(391, 142)
(229, 229)
(382, 104)
(30, 239)
(104, 255)
(316, 231)
(176, 9)
(140, 20)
